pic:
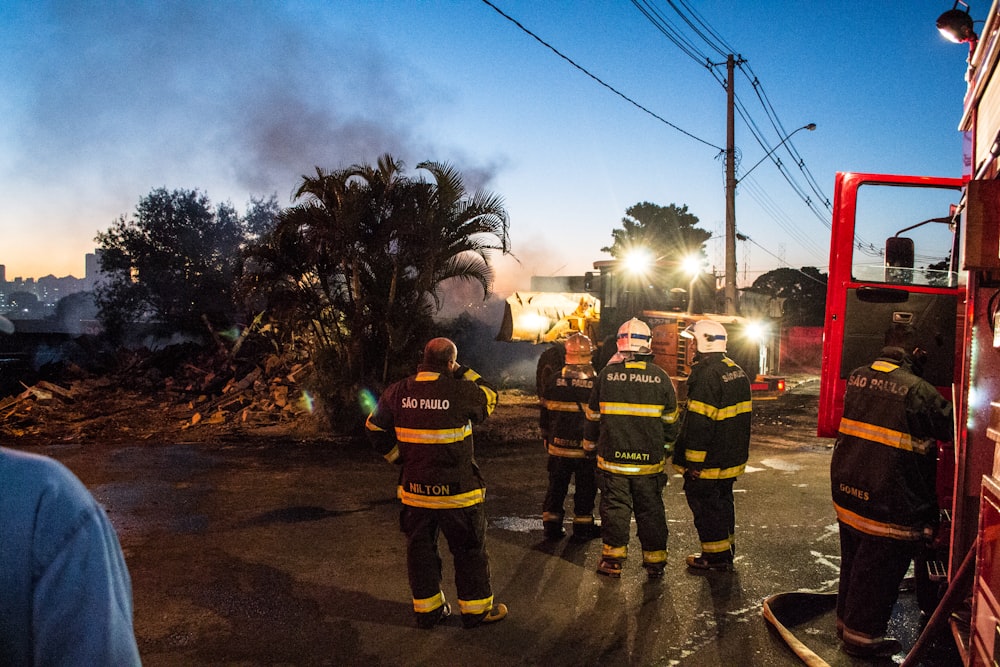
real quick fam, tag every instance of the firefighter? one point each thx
(424, 423)
(882, 476)
(714, 444)
(561, 421)
(632, 422)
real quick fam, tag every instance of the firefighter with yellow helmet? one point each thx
(714, 443)
(561, 420)
(632, 422)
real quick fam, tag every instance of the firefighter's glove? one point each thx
(589, 446)
(690, 473)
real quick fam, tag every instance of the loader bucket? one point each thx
(544, 317)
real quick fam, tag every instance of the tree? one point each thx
(172, 263)
(261, 216)
(354, 267)
(804, 292)
(668, 232)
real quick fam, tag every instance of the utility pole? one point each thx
(730, 290)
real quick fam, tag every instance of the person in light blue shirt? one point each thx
(65, 591)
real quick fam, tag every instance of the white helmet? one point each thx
(578, 349)
(634, 336)
(708, 335)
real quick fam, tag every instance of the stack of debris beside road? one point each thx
(260, 396)
(152, 394)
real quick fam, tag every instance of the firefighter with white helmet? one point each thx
(714, 443)
(632, 421)
(561, 421)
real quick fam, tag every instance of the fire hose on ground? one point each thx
(784, 610)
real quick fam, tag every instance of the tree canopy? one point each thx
(356, 264)
(349, 276)
(804, 292)
(670, 233)
(172, 263)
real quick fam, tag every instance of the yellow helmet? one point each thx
(578, 349)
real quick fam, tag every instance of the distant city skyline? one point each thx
(89, 265)
(49, 288)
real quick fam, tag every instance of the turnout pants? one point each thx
(871, 569)
(712, 506)
(625, 495)
(465, 530)
(562, 469)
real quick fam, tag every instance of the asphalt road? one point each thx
(273, 552)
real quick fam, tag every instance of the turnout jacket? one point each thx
(715, 434)
(424, 423)
(632, 416)
(563, 410)
(883, 467)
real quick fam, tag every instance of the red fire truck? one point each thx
(927, 251)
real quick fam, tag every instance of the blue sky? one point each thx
(103, 104)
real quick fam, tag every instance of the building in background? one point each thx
(31, 298)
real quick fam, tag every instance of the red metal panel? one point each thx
(840, 281)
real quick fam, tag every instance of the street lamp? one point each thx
(731, 181)
(809, 126)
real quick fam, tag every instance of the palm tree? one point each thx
(356, 266)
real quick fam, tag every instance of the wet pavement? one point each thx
(264, 552)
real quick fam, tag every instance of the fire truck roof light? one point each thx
(955, 25)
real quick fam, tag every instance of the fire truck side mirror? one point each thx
(899, 252)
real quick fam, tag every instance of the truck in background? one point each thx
(927, 251)
(598, 303)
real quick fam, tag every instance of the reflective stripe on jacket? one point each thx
(425, 423)
(632, 415)
(883, 467)
(563, 411)
(715, 434)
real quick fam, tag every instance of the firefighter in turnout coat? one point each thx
(561, 421)
(424, 423)
(714, 444)
(882, 474)
(632, 421)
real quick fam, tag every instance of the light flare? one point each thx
(367, 401)
(306, 402)
(638, 261)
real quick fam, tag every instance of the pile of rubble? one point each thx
(152, 396)
(260, 395)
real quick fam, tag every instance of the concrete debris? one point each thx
(155, 393)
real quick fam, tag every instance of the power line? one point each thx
(711, 38)
(704, 31)
(669, 30)
(780, 129)
(783, 262)
(597, 79)
(769, 206)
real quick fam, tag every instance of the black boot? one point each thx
(553, 530)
